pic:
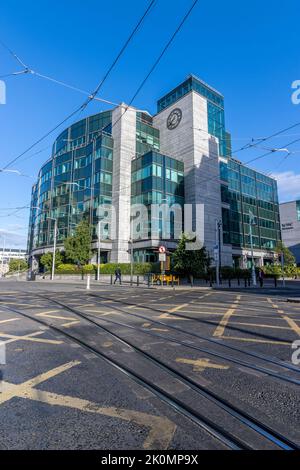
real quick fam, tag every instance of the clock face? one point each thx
(174, 119)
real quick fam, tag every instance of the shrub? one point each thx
(67, 269)
(109, 268)
(16, 265)
(273, 270)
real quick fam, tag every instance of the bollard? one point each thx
(88, 283)
(111, 280)
(138, 281)
(149, 280)
(245, 282)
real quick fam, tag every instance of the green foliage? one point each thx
(290, 270)
(46, 260)
(16, 265)
(227, 272)
(272, 270)
(289, 258)
(78, 247)
(190, 263)
(139, 268)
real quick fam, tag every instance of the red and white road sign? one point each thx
(162, 249)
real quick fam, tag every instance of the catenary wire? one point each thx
(93, 95)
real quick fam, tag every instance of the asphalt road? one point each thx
(136, 368)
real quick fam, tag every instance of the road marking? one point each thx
(220, 330)
(159, 329)
(293, 325)
(179, 307)
(260, 325)
(161, 429)
(167, 316)
(283, 343)
(10, 320)
(71, 321)
(199, 365)
(30, 337)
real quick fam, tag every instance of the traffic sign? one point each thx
(162, 249)
(162, 257)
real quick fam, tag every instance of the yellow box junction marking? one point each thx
(161, 430)
(220, 330)
(30, 337)
(10, 320)
(252, 340)
(292, 324)
(71, 321)
(199, 365)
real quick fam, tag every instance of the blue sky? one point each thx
(247, 50)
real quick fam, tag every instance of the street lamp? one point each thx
(54, 247)
(217, 251)
(3, 250)
(251, 223)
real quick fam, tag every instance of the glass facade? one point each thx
(147, 136)
(248, 192)
(298, 210)
(156, 179)
(73, 182)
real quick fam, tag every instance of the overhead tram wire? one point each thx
(179, 27)
(264, 139)
(92, 96)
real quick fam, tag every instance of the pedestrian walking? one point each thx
(261, 278)
(118, 275)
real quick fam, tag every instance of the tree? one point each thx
(289, 258)
(47, 258)
(16, 265)
(190, 262)
(78, 247)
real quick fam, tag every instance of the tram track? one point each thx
(261, 429)
(218, 342)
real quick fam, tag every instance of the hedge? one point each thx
(109, 268)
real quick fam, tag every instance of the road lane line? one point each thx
(10, 320)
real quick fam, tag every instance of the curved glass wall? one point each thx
(72, 184)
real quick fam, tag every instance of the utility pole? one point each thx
(217, 252)
(252, 222)
(282, 269)
(54, 250)
(99, 251)
(131, 261)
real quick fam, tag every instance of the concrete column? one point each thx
(124, 135)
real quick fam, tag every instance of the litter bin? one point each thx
(31, 276)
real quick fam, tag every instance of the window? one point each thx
(298, 210)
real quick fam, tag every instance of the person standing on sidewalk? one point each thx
(261, 278)
(118, 275)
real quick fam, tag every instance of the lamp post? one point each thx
(217, 251)
(251, 223)
(282, 269)
(3, 250)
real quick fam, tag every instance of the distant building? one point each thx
(8, 254)
(290, 226)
